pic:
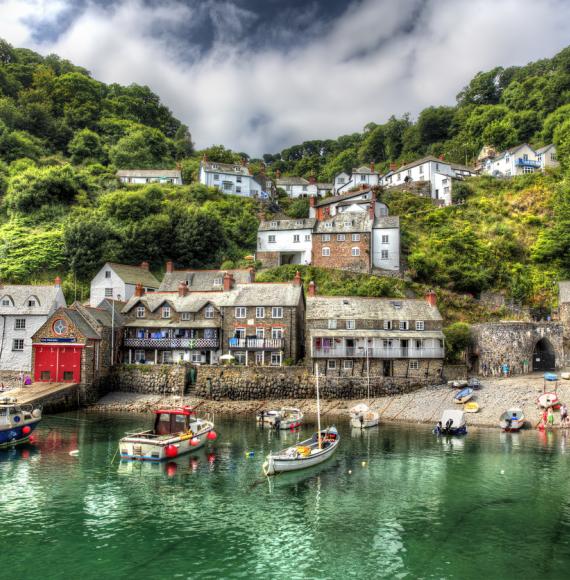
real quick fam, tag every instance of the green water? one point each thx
(490, 505)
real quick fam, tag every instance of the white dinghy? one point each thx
(362, 417)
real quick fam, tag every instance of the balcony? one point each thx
(186, 343)
(384, 353)
(255, 343)
(520, 162)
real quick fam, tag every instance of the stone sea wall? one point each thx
(149, 379)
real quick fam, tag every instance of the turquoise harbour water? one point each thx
(489, 505)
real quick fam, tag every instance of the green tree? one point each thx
(141, 148)
(200, 240)
(86, 146)
(435, 124)
(562, 142)
(500, 134)
(457, 339)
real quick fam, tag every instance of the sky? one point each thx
(261, 75)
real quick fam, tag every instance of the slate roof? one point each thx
(364, 169)
(343, 196)
(134, 275)
(305, 224)
(46, 296)
(359, 308)
(511, 151)
(201, 280)
(229, 168)
(459, 167)
(387, 221)
(324, 186)
(149, 173)
(292, 181)
(421, 162)
(345, 222)
(544, 149)
(82, 325)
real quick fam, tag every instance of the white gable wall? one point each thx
(244, 185)
(391, 260)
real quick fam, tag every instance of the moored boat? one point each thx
(362, 417)
(512, 420)
(452, 423)
(474, 383)
(463, 396)
(548, 400)
(17, 421)
(176, 431)
(284, 418)
(471, 407)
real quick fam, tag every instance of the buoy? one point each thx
(502, 472)
(171, 451)
(26, 430)
(194, 441)
(364, 464)
(74, 452)
(350, 472)
(212, 435)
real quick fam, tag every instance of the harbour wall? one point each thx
(149, 379)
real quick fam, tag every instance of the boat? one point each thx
(320, 447)
(362, 417)
(565, 376)
(464, 395)
(474, 383)
(452, 423)
(17, 421)
(459, 384)
(284, 418)
(548, 400)
(471, 407)
(176, 431)
(512, 420)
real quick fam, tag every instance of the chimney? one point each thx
(393, 166)
(372, 207)
(205, 158)
(372, 167)
(228, 282)
(442, 157)
(297, 280)
(182, 289)
(251, 270)
(57, 282)
(277, 174)
(244, 161)
(312, 201)
(312, 179)
(169, 267)
(312, 289)
(145, 266)
(431, 298)
(139, 290)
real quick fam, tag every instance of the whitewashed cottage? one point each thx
(517, 160)
(23, 310)
(143, 176)
(360, 177)
(231, 178)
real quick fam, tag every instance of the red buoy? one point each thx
(212, 436)
(194, 441)
(171, 451)
(26, 430)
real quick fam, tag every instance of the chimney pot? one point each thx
(312, 201)
(145, 266)
(312, 289)
(182, 290)
(298, 281)
(57, 282)
(393, 166)
(442, 157)
(431, 298)
(372, 167)
(251, 270)
(169, 267)
(139, 290)
(228, 282)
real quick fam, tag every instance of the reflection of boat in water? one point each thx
(284, 418)
(179, 466)
(512, 420)
(24, 450)
(17, 421)
(362, 417)
(176, 431)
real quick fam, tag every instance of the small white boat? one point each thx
(284, 418)
(308, 453)
(548, 400)
(565, 376)
(362, 417)
(512, 420)
(176, 431)
(452, 423)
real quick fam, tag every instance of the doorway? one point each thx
(543, 356)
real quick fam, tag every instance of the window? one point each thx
(31, 302)
(107, 273)
(304, 188)
(340, 237)
(238, 189)
(419, 344)
(273, 224)
(241, 312)
(404, 325)
(446, 190)
(387, 343)
(409, 172)
(227, 185)
(196, 357)
(18, 344)
(355, 252)
(525, 156)
(331, 365)
(387, 325)
(5, 301)
(355, 237)
(307, 237)
(326, 252)
(277, 312)
(348, 364)
(340, 180)
(185, 316)
(299, 222)
(140, 312)
(260, 333)
(139, 356)
(420, 324)
(444, 181)
(421, 169)
(108, 292)
(414, 365)
(271, 239)
(296, 238)
(385, 239)
(276, 359)
(528, 169)
(166, 356)
(260, 312)
(218, 281)
(240, 358)
(349, 224)
(277, 333)
(328, 225)
(20, 324)
(326, 237)
(240, 333)
(45, 376)
(332, 324)
(350, 324)
(553, 157)
(384, 255)
(238, 179)
(166, 312)
(363, 178)
(209, 312)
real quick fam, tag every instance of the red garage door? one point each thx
(58, 364)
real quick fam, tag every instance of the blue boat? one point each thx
(550, 377)
(464, 395)
(17, 422)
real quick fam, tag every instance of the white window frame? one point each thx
(350, 324)
(414, 365)
(18, 344)
(385, 239)
(260, 332)
(331, 364)
(107, 274)
(185, 316)
(307, 237)
(276, 359)
(326, 238)
(420, 325)
(404, 325)
(241, 312)
(387, 325)
(340, 237)
(277, 333)
(296, 238)
(20, 324)
(355, 237)
(271, 239)
(332, 323)
(277, 312)
(141, 312)
(384, 255)
(108, 293)
(165, 312)
(326, 252)
(348, 364)
(209, 311)
(355, 252)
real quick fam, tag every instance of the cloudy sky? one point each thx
(259, 75)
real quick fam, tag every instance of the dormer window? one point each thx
(166, 312)
(209, 312)
(141, 312)
(237, 168)
(328, 225)
(273, 224)
(107, 273)
(218, 281)
(299, 222)
(7, 301)
(32, 302)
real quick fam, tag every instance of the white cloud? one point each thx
(380, 58)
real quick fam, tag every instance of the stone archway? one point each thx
(543, 356)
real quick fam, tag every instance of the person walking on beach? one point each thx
(564, 415)
(544, 420)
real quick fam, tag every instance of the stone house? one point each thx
(398, 338)
(118, 282)
(74, 346)
(142, 176)
(255, 323)
(23, 310)
(202, 280)
(230, 178)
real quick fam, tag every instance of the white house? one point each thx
(142, 176)
(23, 310)
(360, 177)
(517, 160)
(118, 282)
(285, 241)
(230, 178)
(547, 156)
(324, 189)
(298, 186)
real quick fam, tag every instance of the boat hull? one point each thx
(14, 435)
(275, 465)
(365, 424)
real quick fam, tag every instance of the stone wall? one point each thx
(455, 372)
(151, 379)
(12, 378)
(341, 252)
(269, 259)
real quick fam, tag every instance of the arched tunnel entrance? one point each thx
(543, 357)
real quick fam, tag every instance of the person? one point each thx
(438, 428)
(27, 381)
(550, 418)
(543, 420)
(21, 378)
(564, 415)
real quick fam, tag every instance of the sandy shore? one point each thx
(423, 406)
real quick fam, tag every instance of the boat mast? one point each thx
(368, 372)
(318, 409)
